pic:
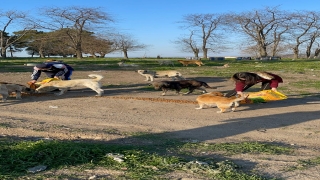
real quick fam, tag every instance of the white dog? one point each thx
(126, 65)
(63, 86)
(8, 88)
(150, 75)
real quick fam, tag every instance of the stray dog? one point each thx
(182, 84)
(223, 103)
(150, 75)
(123, 64)
(7, 88)
(187, 62)
(165, 62)
(63, 86)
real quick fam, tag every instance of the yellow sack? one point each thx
(38, 84)
(263, 96)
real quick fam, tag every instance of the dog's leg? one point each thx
(190, 90)
(236, 104)
(97, 89)
(100, 92)
(200, 106)
(164, 91)
(62, 91)
(18, 95)
(202, 89)
(4, 97)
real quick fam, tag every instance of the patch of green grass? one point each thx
(307, 83)
(237, 148)
(305, 164)
(149, 161)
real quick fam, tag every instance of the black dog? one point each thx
(182, 84)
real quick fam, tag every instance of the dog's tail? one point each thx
(204, 84)
(96, 77)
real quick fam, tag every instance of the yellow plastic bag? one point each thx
(38, 84)
(263, 96)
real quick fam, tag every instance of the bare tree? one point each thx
(313, 34)
(203, 27)
(126, 43)
(15, 19)
(303, 23)
(278, 32)
(77, 20)
(264, 27)
(317, 50)
(187, 44)
(95, 45)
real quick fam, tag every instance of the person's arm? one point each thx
(274, 84)
(239, 87)
(62, 70)
(35, 75)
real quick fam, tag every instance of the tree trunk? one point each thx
(316, 52)
(41, 53)
(205, 52)
(125, 54)
(3, 52)
(102, 55)
(79, 53)
(196, 52)
(263, 50)
(79, 50)
(296, 52)
(308, 52)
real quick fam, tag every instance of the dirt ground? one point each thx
(125, 107)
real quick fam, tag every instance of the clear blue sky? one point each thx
(153, 22)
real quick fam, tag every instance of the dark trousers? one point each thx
(264, 86)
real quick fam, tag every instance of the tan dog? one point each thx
(63, 86)
(217, 99)
(187, 62)
(150, 75)
(7, 88)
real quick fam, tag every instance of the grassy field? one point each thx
(164, 155)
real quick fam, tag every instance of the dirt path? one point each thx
(125, 107)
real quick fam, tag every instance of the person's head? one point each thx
(247, 77)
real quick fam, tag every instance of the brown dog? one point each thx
(182, 84)
(217, 99)
(187, 62)
(7, 88)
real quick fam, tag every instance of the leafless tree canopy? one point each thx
(77, 30)
(13, 19)
(78, 20)
(125, 43)
(203, 29)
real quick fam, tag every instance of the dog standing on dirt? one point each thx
(150, 75)
(63, 86)
(217, 99)
(7, 88)
(182, 84)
